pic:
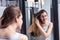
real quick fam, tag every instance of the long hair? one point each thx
(9, 15)
(36, 30)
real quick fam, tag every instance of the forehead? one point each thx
(44, 13)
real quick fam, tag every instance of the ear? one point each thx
(16, 19)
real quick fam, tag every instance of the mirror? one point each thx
(34, 7)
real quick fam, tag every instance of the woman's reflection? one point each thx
(41, 28)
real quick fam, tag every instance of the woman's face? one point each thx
(20, 22)
(43, 17)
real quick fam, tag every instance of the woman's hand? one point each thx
(37, 22)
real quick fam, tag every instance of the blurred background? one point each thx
(29, 7)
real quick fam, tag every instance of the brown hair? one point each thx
(9, 14)
(39, 14)
(35, 28)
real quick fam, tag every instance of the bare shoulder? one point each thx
(23, 37)
(51, 24)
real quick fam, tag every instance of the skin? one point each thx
(11, 29)
(40, 25)
(43, 17)
(48, 32)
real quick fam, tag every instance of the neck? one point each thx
(9, 31)
(12, 28)
(44, 24)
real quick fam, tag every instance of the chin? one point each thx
(44, 22)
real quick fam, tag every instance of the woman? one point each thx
(11, 20)
(41, 27)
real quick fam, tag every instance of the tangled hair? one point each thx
(39, 14)
(36, 30)
(9, 15)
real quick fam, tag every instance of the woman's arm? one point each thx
(30, 29)
(48, 32)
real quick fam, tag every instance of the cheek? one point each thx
(21, 21)
(41, 19)
(45, 18)
(20, 24)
